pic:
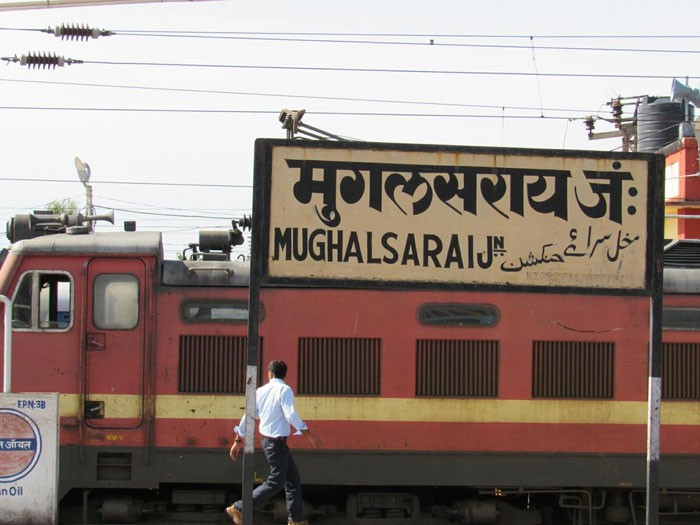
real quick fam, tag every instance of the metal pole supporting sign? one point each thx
(251, 386)
(654, 413)
(655, 359)
(256, 272)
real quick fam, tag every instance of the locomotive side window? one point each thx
(210, 311)
(54, 301)
(22, 303)
(458, 314)
(116, 301)
(43, 302)
(680, 318)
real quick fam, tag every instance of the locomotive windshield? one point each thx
(42, 302)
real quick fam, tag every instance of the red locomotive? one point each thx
(433, 405)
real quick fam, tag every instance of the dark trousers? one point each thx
(283, 475)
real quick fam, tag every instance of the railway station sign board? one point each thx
(369, 215)
(28, 458)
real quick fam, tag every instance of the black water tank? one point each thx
(658, 120)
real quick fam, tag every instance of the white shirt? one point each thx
(274, 403)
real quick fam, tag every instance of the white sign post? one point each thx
(28, 458)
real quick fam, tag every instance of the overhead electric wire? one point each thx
(141, 110)
(537, 76)
(188, 210)
(160, 214)
(31, 29)
(286, 95)
(429, 43)
(273, 112)
(276, 112)
(384, 70)
(134, 183)
(402, 35)
(341, 38)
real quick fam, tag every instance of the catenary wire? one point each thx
(333, 38)
(407, 35)
(430, 43)
(161, 214)
(384, 70)
(445, 35)
(286, 95)
(273, 112)
(315, 113)
(103, 198)
(134, 183)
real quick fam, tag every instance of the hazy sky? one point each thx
(180, 93)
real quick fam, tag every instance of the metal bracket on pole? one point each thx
(291, 121)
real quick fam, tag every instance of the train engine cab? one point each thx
(90, 312)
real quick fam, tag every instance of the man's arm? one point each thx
(315, 441)
(239, 432)
(236, 447)
(287, 402)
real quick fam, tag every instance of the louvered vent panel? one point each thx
(577, 370)
(683, 253)
(210, 364)
(447, 368)
(680, 371)
(339, 366)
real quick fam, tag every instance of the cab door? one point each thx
(115, 340)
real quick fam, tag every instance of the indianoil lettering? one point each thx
(12, 491)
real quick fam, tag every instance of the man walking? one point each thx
(275, 409)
